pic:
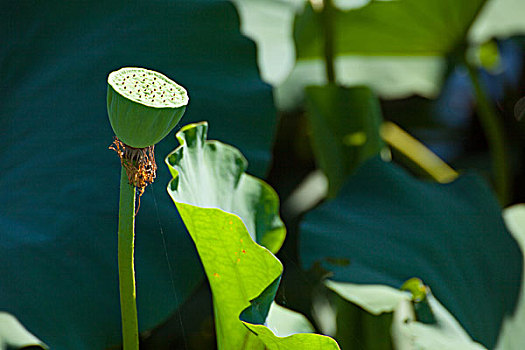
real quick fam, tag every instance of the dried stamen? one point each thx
(139, 163)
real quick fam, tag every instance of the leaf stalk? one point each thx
(327, 17)
(494, 132)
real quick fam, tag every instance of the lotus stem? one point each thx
(126, 268)
(143, 107)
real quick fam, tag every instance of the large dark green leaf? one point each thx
(404, 27)
(392, 227)
(58, 207)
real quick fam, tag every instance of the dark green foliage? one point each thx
(393, 227)
(58, 209)
(345, 126)
(358, 329)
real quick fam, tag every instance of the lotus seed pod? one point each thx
(143, 105)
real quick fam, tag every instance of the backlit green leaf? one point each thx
(214, 177)
(212, 194)
(293, 342)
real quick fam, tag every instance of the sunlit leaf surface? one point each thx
(511, 335)
(212, 194)
(386, 28)
(408, 332)
(14, 335)
(211, 174)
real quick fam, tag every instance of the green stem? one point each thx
(126, 269)
(328, 28)
(493, 128)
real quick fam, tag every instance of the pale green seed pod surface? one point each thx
(143, 105)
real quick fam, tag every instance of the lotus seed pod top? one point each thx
(143, 105)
